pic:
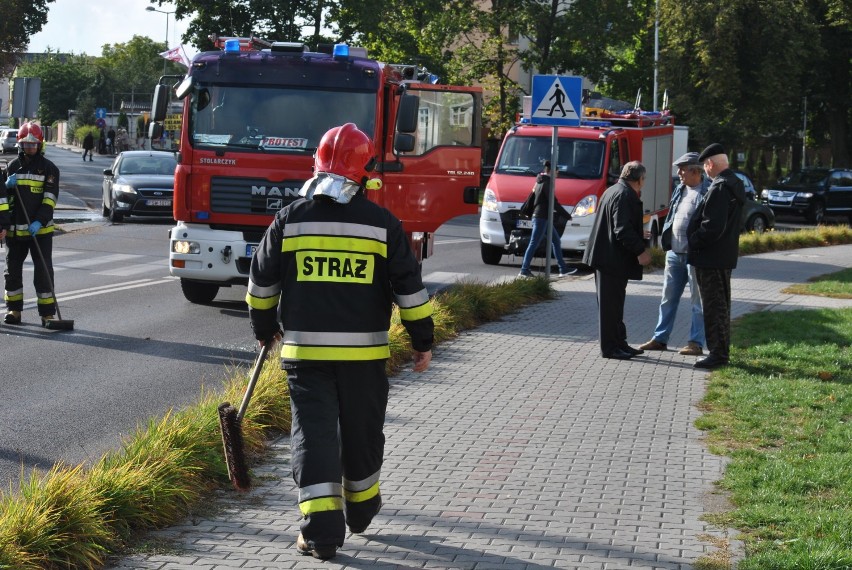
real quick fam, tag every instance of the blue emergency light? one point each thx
(341, 51)
(232, 46)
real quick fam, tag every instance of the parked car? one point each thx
(139, 183)
(756, 217)
(813, 193)
(9, 140)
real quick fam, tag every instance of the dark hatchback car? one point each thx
(812, 192)
(756, 217)
(139, 183)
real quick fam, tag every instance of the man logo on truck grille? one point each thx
(334, 266)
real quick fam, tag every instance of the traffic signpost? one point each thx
(557, 101)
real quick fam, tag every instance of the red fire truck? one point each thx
(253, 114)
(591, 157)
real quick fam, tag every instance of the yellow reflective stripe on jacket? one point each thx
(416, 313)
(263, 298)
(262, 303)
(321, 505)
(296, 352)
(361, 496)
(334, 243)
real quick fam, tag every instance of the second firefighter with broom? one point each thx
(336, 262)
(32, 187)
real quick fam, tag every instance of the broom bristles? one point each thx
(232, 442)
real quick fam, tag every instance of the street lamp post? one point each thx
(167, 13)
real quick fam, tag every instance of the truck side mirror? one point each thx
(161, 101)
(155, 131)
(406, 117)
(403, 142)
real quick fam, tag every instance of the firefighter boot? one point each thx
(13, 318)
(46, 318)
(321, 552)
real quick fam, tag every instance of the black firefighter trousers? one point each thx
(337, 444)
(16, 254)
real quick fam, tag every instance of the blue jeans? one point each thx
(677, 274)
(539, 226)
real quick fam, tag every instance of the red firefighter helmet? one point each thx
(30, 133)
(345, 151)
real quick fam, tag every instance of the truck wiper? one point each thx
(520, 169)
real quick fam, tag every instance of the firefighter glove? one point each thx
(35, 227)
(11, 181)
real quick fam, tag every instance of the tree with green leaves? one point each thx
(63, 77)
(20, 19)
(274, 20)
(736, 72)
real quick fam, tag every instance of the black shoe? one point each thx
(619, 354)
(320, 552)
(711, 362)
(633, 351)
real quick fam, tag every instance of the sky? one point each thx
(83, 26)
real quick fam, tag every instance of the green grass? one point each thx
(783, 412)
(753, 243)
(74, 517)
(837, 285)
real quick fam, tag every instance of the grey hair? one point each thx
(633, 171)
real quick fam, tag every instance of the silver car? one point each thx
(9, 140)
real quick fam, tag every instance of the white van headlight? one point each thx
(489, 201)
(585, 207)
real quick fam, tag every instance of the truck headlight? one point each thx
(183, 246)
(585, 207)
(805, 195)
(489, 201)
(764, 194)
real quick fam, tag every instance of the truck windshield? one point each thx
(525, 156)
(274, 119)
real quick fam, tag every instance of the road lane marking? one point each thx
(102, 290)
(100, 260)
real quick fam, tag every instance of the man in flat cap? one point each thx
(714, 246)
(685, 199)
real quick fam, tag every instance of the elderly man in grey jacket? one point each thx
(685, 199)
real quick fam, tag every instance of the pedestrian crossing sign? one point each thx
(556, 100)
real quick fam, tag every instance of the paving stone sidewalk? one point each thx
(522, 449)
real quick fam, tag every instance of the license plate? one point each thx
(523, 224)
(250, 249)
(159, 202)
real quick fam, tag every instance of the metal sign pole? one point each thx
(554, 171)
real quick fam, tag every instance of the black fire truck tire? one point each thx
(491, 254)
(198, 292)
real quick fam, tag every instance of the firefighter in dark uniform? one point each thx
(337, 262)
(37, 182)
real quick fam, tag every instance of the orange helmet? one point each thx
(30, 133)
(345, 151)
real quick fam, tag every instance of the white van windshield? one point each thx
(525, 156)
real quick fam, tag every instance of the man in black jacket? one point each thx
(714, 241)
(616, 251)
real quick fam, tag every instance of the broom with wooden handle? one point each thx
(230, 420)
